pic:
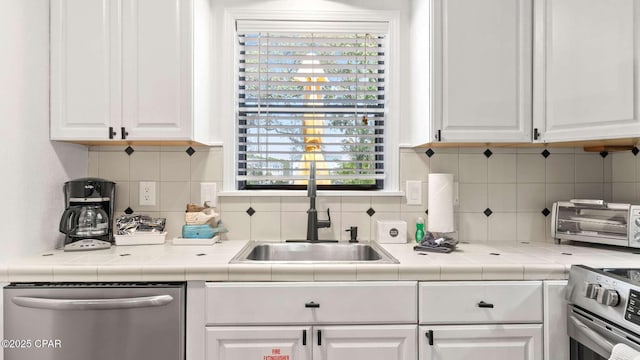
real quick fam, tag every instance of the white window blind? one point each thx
(310, 96)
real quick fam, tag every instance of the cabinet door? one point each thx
(482, 70)
(556, 340)
(381, 342)
(85, 80)
(481, 342)
(586, 84)
(156, 66)
(259, 343)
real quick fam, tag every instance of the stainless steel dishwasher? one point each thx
(73, 321)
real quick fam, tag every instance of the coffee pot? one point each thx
(84, 221)
(88, 217)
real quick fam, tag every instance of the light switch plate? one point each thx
(414, 192)
(209, 194)
(148, 193)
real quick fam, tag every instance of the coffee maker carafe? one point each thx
(87, 220)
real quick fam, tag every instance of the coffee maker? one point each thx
(87, 221)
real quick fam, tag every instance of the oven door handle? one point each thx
(92, 304)
(592, 335)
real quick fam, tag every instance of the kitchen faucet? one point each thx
(312, 214)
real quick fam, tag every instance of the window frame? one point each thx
(229, 80)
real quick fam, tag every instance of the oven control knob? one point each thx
(608, 297)
(591, 290)
(637, 221)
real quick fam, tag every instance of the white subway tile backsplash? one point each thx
(560, 168)
(145, 166)
(623, 167)
(502, 197)
(265, 226)
(234, 204)
(589, 168)
(414, 165)
(589, 190)
(515, 183)
(174, 195)
(206, 165)
(266, 204)
(174, 166)
(624, 192)
(502, 227)
(122, 196)
(473, 168)
(530, 227)
(93, 168)
(473, 227)
(473, 197)
(445, 163)
(555, 192)
(238, 223)
(502, 168)
(294, 204)
(387, 204)
(114, 166)
(530, 168)
(293, 225)
(355, 204)
(531, 197)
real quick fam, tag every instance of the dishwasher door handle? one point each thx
(92, 304)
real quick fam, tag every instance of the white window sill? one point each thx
(299, 193)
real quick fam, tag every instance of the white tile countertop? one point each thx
(493, 261)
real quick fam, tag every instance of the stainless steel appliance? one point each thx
(603, 310)
(87, 220)
(596, 221)
(79, 321)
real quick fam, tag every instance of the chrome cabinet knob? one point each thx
(608, 297)
(591, 290)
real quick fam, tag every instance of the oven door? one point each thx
(593, 338)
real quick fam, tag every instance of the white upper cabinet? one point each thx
(586, 72)
(482, 70)
(84, 76)
(129, 66)
(156, 69)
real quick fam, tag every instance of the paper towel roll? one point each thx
(440, 203)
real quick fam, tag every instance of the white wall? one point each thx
(33, 168)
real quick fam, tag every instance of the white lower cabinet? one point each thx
(304, 321)
(481, 342)
(556, 340)
(259, 343)
(371, 342)
(480, 320)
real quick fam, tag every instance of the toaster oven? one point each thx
(596, 221)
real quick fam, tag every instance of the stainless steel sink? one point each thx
(304, 252)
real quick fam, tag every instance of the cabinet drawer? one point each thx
(309, 303)
(480, 302)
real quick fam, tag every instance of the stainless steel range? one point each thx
(603, 310)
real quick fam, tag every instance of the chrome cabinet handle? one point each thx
(92, 304)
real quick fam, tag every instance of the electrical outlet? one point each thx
(208, 194)
(148, 193)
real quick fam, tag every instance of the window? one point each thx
(308, 91)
